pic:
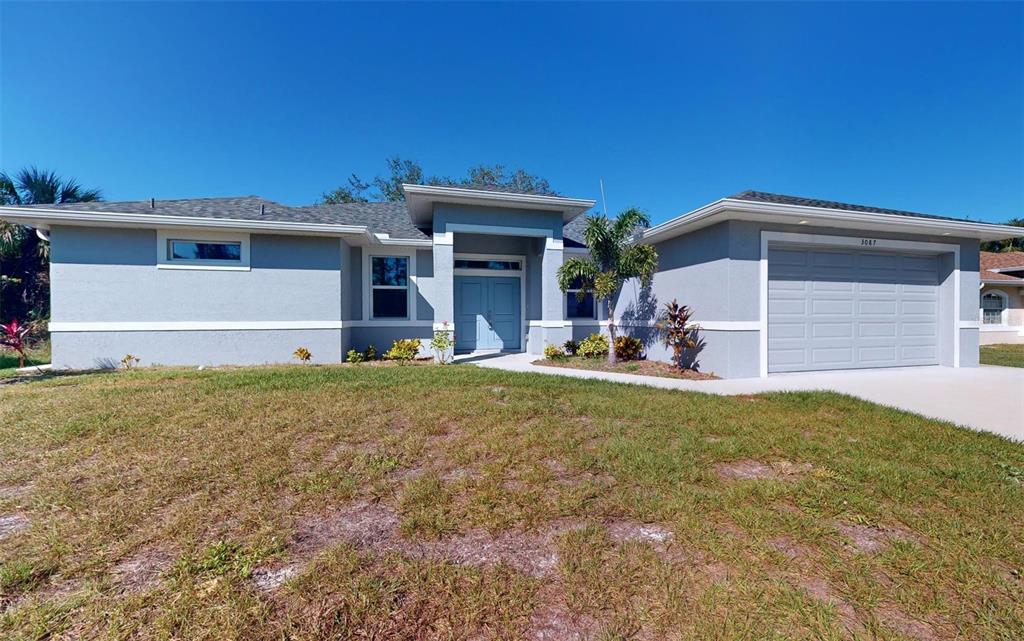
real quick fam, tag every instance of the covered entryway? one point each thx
(487, 313)
(844, 309)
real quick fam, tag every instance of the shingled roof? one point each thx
(781, 199)
(391, 218)
(1002, 260)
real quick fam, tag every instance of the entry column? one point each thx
(554, 329)
(444, 280)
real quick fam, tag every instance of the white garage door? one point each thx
(850, 309)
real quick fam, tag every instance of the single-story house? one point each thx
(1002, 297)
(778, 283)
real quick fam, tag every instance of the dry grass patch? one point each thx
(458, 503)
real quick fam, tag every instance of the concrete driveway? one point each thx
(985, 398)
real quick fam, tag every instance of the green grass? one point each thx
(418, 502)
(39, 354)
(1007, 355)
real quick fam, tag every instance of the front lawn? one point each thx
(1007, 355)
(462, 503)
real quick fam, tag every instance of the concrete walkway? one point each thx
(985, 398)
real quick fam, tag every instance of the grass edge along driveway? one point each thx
(457, 502)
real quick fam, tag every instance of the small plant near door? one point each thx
(443, 343)
(303, 355)
(14, 336)
(554, 353)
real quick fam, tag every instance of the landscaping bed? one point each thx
(642, 367)
(455, 502)
(1006, 354)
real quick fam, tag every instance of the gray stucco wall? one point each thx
(100, 274)
(111, 275)
(91, 350)
(716, 271)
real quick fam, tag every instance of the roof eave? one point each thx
(728, 208)
(420, 199)
(45, 218)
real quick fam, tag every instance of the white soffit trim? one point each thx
(420, 200)
(730, 209)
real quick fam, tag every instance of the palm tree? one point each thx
(24, 257)
(613, 260)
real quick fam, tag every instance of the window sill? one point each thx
(212, 268)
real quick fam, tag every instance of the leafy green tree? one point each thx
(613, 260)
(388, 188)
(24, 257)
(1008, 245)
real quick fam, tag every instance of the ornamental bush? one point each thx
(404, 350)
(593, 346)
(354, 356)
(628, 348)
(553, 352)
(571, 347)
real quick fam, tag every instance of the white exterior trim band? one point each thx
(220, 326)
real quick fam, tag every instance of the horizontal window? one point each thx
(498, 265)
(201, 250)
(389, 286)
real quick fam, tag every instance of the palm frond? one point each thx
(8, 192)
(629, 221)
(638, 261)
(38, 187)
(577, 273)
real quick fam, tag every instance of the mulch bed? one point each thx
(642, 368)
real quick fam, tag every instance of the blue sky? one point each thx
(906, 105)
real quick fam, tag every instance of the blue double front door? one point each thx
(487, 314)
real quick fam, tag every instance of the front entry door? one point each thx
(487, 313)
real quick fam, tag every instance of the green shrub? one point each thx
(553, 352)
(628, 348)
(571, 347)
(593, 346)
(371, 353)
(404, 350)
(354, 356)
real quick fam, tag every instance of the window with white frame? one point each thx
(199, 249)
(993, 307)
(389, 287)
(577, 306)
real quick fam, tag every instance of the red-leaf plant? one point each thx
(14, 336)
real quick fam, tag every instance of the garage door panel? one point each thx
(869, 330)
(833, 309)
(843, 307)
(878, 307)
(876, 356)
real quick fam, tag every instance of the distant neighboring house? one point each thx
(777, 283)
(1002, 297)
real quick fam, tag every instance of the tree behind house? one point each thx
(24, 258)
(388, 188)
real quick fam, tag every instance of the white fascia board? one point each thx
(1003, 283)
(48, 217)
(730, 209)
(420, 198)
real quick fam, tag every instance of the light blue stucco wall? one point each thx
(111, 275)
(716, 272)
